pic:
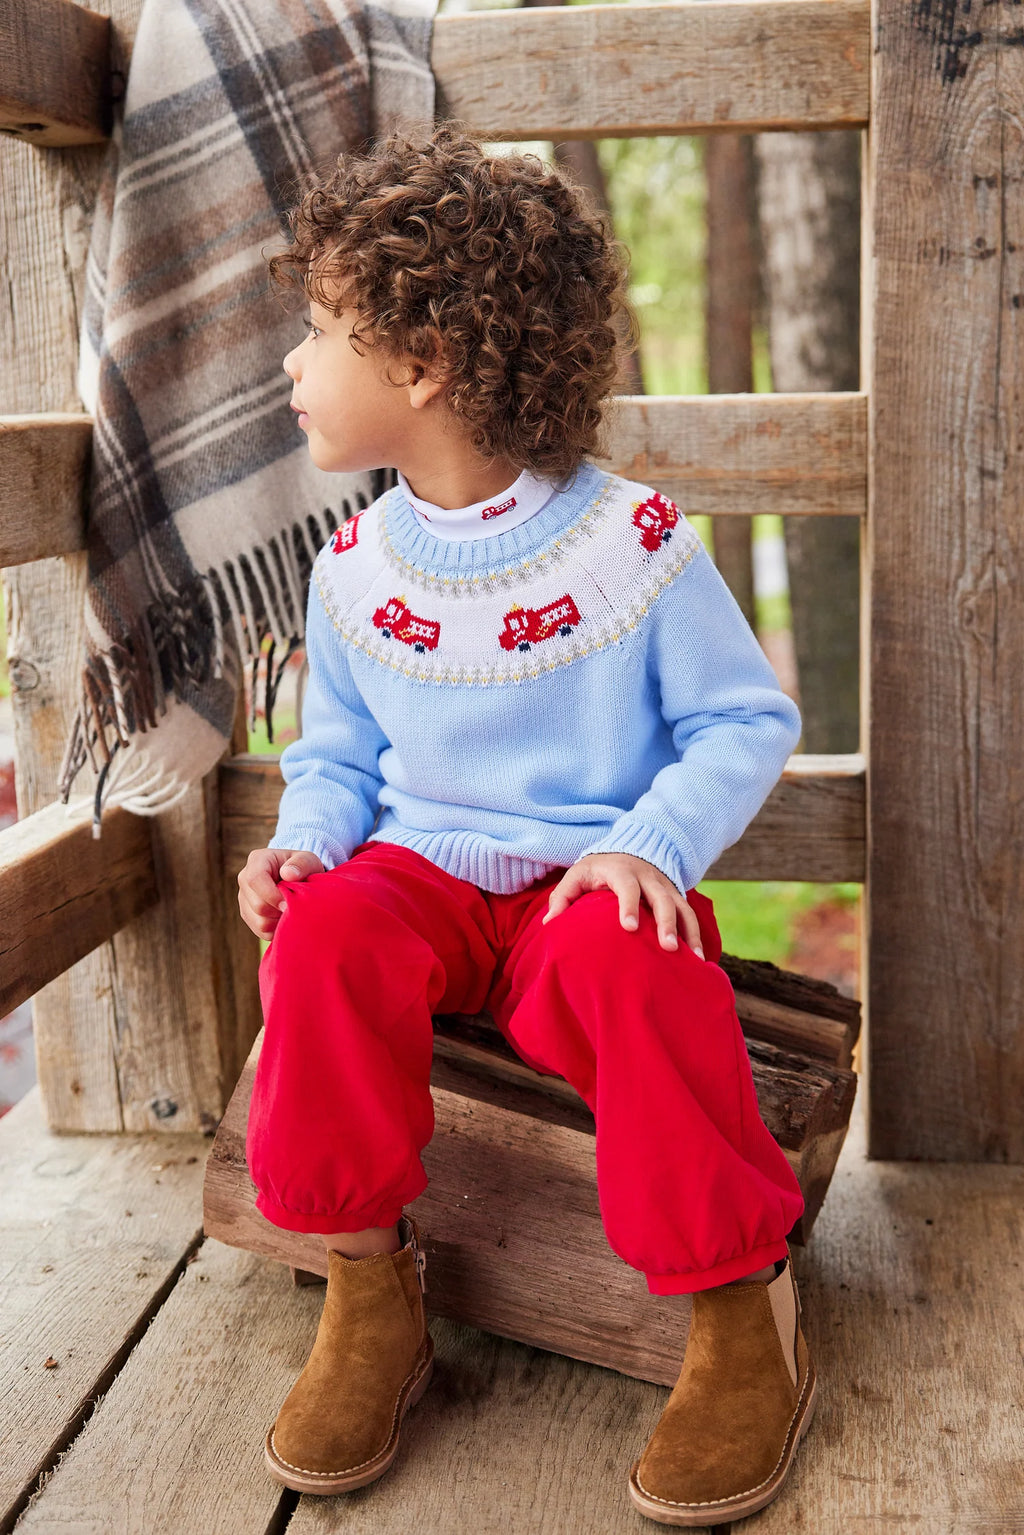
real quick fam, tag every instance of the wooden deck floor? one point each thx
(141, 1363)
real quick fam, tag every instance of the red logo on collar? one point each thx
(496, 511)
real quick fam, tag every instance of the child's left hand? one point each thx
(629, 878)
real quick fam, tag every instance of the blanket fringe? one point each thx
(249, 609)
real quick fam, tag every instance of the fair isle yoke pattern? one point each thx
(583, 591)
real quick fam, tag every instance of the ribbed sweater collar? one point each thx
(403, 530)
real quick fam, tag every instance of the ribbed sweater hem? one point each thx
(463, 855)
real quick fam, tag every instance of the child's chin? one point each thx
(331, 463)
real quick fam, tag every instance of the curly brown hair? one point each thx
(491, 264)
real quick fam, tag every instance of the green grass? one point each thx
(756, 919)
(284, 731)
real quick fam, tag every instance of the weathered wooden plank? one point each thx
(45, 216)
(44, 466)
(94, 1230)
(177, 1441)
(805, 1104)
(794, 1011)
(591, 71)
(594, 71)
(908, 1260)
(719, 455)
(240, 948)
(738, 454)
(54, 72)
(147, 1032)
(944, 361)
(62, 892)
(810, 827)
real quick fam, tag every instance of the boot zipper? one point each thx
(420, 1258)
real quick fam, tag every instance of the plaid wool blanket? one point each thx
(206, 511)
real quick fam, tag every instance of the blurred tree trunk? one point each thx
(732, 297)
(579, 158)
(808, 195)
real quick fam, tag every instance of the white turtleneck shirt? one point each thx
(497, 514)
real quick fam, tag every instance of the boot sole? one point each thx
(326, 1482)
(725, 1510)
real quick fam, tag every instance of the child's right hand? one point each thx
(259, 899)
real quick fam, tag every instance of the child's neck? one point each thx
(454, 479)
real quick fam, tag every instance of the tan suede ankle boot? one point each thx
(371, 1360)
(725, 1442)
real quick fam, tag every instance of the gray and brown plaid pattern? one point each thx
(206, 511)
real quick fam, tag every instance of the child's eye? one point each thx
(314, 330)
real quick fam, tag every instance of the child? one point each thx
(535, 717)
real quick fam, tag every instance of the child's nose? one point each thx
(290, 366)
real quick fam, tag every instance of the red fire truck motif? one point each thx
(395, 619)
(525, 626)
(347, 536)
(496, 511)
(655, 517)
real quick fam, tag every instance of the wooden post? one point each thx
(731, 275)
(151, 1030)
(944, 369)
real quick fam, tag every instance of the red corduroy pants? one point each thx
(693, 1189)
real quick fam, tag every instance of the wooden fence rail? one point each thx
(54, 72)
(720, 455)
(810, 827)
(604, 71)
(64, 892)
(44, 467)
(586, 71)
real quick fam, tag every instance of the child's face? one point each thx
(353, 417)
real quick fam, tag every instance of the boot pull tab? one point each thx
(420, 1259)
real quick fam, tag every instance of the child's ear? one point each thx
(426, 382)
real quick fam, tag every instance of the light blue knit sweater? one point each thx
(581, 683)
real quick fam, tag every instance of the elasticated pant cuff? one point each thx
(722, 1273)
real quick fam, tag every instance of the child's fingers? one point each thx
(564, 893)
(668, 905)
(262, 923)
(259, 878)
(251, 906)
(261, 888)
(300, 866)
(691, 925)
(665, 912)
(628, 889)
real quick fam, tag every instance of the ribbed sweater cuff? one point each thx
(629, 835)
(310, 839)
